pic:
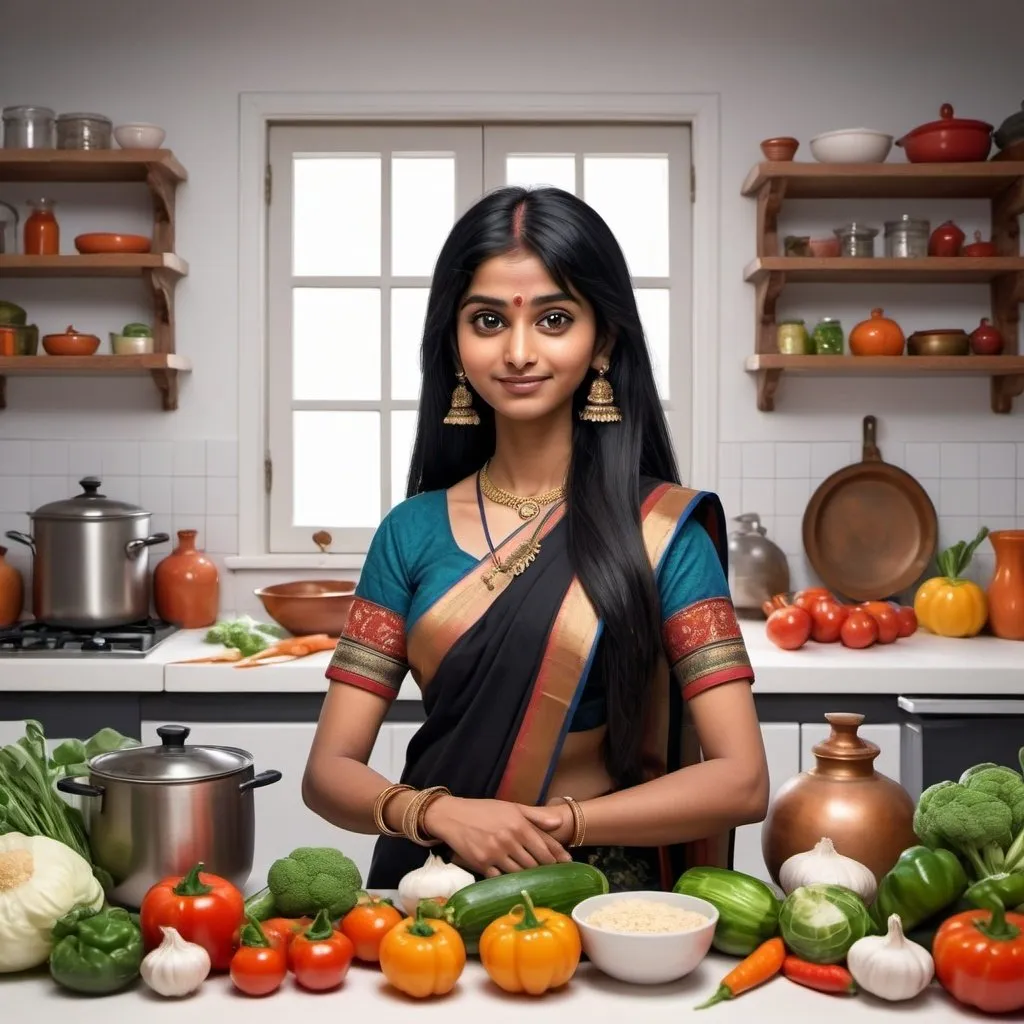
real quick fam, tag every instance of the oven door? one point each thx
(941, 737)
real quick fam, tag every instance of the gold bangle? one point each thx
(378, 809)
(579, 822)
(412, 821)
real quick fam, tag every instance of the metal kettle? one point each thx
(758, 568)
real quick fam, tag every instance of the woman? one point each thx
(559, 599)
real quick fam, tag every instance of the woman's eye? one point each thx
(488, 321)
(556, 321)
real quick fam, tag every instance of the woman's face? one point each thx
(524, 344)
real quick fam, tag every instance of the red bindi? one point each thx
(517, 299)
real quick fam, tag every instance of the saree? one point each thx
(504, 665)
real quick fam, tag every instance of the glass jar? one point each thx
(856, 241)
(28, 127)
(42, 233)
(828, 337)
(792, 338)
(84, 131)
(907, 238)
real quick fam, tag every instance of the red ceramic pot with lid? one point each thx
(948, 140)
(986, 340)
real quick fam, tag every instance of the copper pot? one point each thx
(304, 607)
(867, 815)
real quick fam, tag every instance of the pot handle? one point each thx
(76, 788)
(267, 778)
(134, 547)
(22, 538)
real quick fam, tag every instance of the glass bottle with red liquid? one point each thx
(42, 233)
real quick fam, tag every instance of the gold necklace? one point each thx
(526, 507)
(521, 558)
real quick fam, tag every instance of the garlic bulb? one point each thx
(176, 967)
(890, 966)
(437, 879)
(824, 864)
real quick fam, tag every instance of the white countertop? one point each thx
(920, 664)
(590, 996)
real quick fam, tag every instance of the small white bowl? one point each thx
(139, 136)
(646, 958)
(851, 146)
(131, 345)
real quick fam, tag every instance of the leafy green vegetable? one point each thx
(821, 922)
(244, 634)
(1008, 786)
(313, 878)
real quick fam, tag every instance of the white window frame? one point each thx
(258, 111)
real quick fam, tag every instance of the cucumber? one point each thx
(558, 887)
(260, 905)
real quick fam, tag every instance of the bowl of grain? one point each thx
(646, 938)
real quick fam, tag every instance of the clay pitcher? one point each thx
(12, 592)
(1006, 591)
(867, 815)
(186, 585)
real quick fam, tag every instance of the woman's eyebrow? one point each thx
(540, 300)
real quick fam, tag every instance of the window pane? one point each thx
(422, 211)
(408, 311)
(559, 171)
(653, 304)
(403, 434)
(631, 193)
(336, 344)
(336, 216)
(337, 469)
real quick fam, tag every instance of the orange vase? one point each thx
(186, 585)
(1006, 591)
(12, 592)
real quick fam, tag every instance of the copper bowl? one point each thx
(304, 607)
(780, 149)
(950, 342)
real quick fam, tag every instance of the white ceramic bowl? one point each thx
(139, 136)
(646, 958)
(851, 146)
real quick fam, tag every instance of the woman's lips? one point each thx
(521, 385)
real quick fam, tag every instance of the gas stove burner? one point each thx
(37, 638)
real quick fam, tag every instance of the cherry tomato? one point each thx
(828, 621)
(810, 596)
(320, 956)
(258, 970)
(789, 628)
(908, 620)
(885, 615)
(859, 630)
(281, 931)
(366, 924)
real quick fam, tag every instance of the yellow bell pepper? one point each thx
(530, 949)
(948, 604)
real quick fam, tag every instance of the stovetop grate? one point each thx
(28, 638)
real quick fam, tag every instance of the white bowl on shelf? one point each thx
(139, 136)
(851, 146)
(646, 958)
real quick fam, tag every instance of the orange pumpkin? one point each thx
(877, 336)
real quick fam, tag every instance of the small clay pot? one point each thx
(978, 247)
(946, 240)
(780, 149)
(12, 592)
(986, 339)
(186, 585)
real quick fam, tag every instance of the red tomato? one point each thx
(366, 924)
(810, 596)
(859, 630)
(320, 956)
(908, 620)
(885, 615)
(258, 970)
(828, 621)
(205, 909)
(280, 931)
(789, 628)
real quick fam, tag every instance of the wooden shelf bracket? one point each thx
(163, 192)
(767, 383)
(768, 290)
(166, 380)
(769, 203)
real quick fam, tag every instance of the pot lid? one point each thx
(1011, 129)
(171, 761)
(947, 120)
(90, 504)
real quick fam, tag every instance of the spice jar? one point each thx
(84, 131)
(828, 337)
(856, 241)
(906, 238)
(42, 232)
(792, 338)
(28, 127)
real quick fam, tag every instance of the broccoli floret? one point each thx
(1008, 786)
(245, 634)
(312, 878)
(975, 824)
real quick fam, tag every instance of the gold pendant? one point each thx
(528, 509)
(516, 563)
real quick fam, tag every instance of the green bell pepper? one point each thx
(96, 952)
(1004, 889)
(921, 883)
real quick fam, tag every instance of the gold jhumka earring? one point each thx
(601, 407)
(462, 413)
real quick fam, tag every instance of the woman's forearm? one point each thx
(695, 802)
(343, 792)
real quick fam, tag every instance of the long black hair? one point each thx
(603, 497)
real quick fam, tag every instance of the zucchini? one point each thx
(748, 909)
(260, 905)
(557, 887)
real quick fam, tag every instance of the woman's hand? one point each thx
(494, 837)
(542, 816)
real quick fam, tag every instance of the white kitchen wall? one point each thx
(797, 67)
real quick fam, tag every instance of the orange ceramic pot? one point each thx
(186, 585)
(877, 336)
(1006, 591)
(12, 592)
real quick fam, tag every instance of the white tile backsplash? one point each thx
(221, 458)
(1020, 500)
(222, 534)
(792, 460)
(190, 458)
(156, 493)
(189, 495)
(758, 496)
(730, 460)
(791, 496)
(156, 458)
(998, 459)
(923, 459)
(828, 456)
(85, 459)
(123, 488)
(997, 497)
(221, 495)
(49, 458)
(759, 460)
(16, 493)
(958, 460)
(120, 458)
(45, 489)
(958, 497)
(16, 458)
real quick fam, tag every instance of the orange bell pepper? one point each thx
(530, 949)
(422, 958)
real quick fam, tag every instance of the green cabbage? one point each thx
(821, 922)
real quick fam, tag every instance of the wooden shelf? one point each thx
(89, 165)
(931, 270)
(163, 367)
(1006, 372)
(811, 180)
(105, 265)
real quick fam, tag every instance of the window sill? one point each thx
(262, 563)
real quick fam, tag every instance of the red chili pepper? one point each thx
(831, 978)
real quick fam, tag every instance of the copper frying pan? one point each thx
(870, 529)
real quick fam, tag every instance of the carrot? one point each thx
(289, 649)
(764, 963)
(231, 654)
(832, 978)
